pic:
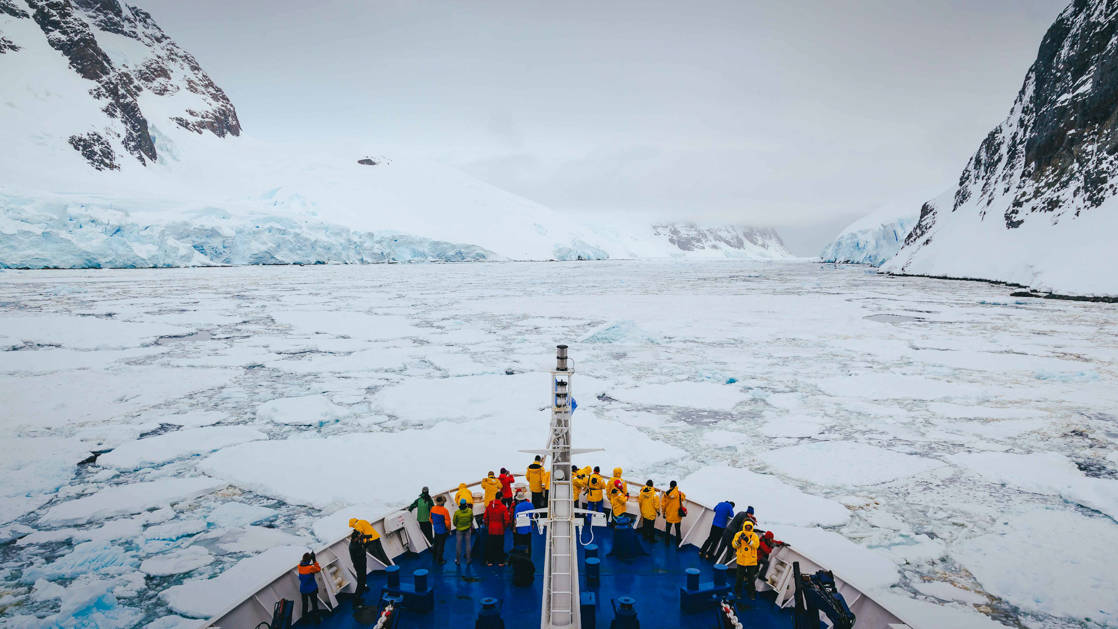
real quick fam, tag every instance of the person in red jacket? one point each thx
(507, 480)
(768, 544)
(496, 521)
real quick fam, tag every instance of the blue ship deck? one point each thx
(654, 580)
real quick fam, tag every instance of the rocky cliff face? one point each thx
(137, 75)
(1041, 176)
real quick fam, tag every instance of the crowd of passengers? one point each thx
(732, 535)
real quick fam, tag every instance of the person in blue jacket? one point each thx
(522, 535)
(723, 511)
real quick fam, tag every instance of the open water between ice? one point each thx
(940, 443)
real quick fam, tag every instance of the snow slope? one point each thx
(872, 239)
(121, 152)
(1035, 205)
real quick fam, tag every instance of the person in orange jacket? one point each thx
(308, 586)
(440, 525)
(674, 511)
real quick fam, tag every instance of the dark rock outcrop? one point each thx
(96, 150)
(71, 27)
(1055, 155)
(8, 7)
(7, 45)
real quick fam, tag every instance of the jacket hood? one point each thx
(768, 534)
(617, 472)
(461, 485)
(647, 490)
(352, 522)
(747, 526)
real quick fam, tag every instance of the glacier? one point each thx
(872, 239)
(954, 436)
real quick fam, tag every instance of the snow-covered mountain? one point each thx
(1036, 204)
(121, 151)
(872, 239)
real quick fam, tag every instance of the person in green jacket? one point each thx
(463, 531)
(422, 507)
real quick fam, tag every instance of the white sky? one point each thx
(794, 114)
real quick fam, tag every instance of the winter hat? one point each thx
(462, 502)
(671, 484)
(504, 471)
(425, 490)
(648, 483)
(749, 509)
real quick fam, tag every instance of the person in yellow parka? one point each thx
(463, 493)
(491, 486)
(580, 478)
(596, 484)
(546, 487)
(371, 539)
(649, 501)
(672, 503)
(609, 493)
(618, 500)
(745, 546)
(534, 475)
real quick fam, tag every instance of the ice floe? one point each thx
(129, 498)
(775, 501)
(845, 463)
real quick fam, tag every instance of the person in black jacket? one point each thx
(360, 561)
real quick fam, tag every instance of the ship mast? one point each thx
(560, 584)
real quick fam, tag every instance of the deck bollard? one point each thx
(591, 550)
(393, 577)
(692, 578)
(420, 580)
(490, 615)
(624, 613)
(721, 575)
(593, 571)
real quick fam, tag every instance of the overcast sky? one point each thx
(793, 114)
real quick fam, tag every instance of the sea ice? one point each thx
(203, 598)
(1077, 555)
(232, 514)
(775, 501)
(864, 568)
(847, 463)
(129, 498)
(1044, 473)
(176, 561)
(176, 444)
(85, 558)
(307, 409)
(703, 395)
